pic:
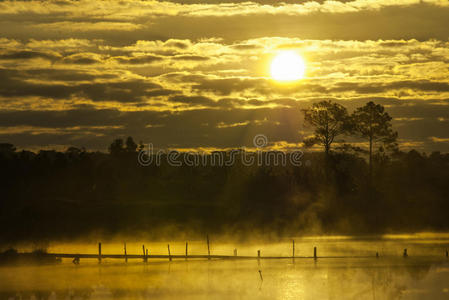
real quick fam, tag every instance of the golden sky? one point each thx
(189, 74)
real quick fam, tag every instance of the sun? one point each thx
(287, 66)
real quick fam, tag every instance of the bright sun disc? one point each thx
(287, 66)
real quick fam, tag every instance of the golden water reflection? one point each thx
(423, 275)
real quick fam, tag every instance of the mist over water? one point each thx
(422, 275)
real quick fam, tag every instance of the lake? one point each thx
(424, 274)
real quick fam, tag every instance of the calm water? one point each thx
(423, 275)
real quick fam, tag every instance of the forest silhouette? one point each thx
(342, 190)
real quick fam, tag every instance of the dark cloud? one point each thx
(81, 59)
(265, 2)
(27, 54)
(177, 44)
(394, 43)
(370, 88)
(226, 86)
(193, 100)
(190, 57)
(65, 75)
(246, 46)
(136, 90)
(138, 60)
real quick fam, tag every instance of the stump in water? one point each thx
(293, 250)
(76, 260)
(145, 258)
(208, 247)
(169, 255)
(99, 253)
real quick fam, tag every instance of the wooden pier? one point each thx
(192, 256)
(145, 256)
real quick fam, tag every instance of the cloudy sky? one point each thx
(195, 74)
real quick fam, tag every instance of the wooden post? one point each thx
(208, 247)
(187, 250)
(99, 253)
(126, 255)
(377, 254)
(169, 255)
(235, 252)
(405, 253)
(293, 250)
(314, 253)
(144, 256)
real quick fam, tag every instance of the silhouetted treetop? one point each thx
(131, 146)
(117, 147)
(372, 123)
(329, 120)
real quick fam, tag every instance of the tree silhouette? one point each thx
(373, 123)
(131, 146)
(73, 193)
(7, 148)
(329, 120)
(117, 147)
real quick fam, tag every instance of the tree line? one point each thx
(51, 194)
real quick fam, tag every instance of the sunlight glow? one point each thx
(287, 66)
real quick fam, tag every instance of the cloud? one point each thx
(371, 88)
(190, 57)
(66, 74)
(192, 100)
(135, 8)
(132, 90)
(439, 140)
(82, 59)
(225, 86)
(163, 20)
(88, 26)
(26, 54)
(138, 60)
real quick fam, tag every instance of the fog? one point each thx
(423, 274)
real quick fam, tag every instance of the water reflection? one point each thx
(424, 276)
